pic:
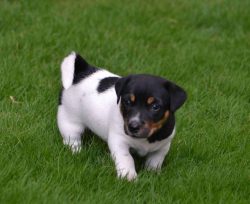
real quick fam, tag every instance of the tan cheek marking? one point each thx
(156, 126)
(150, 100)
(132, 97)
(166, 115)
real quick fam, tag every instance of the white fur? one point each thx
(67, 69)
(83, 107)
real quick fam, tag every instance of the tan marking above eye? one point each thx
(150, 100)
(132, 97)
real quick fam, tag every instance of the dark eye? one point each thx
(155, 107)
(127, 102)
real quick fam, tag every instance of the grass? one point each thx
(202, 45)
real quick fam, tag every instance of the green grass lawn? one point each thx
(204, 46)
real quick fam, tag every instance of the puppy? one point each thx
(129, 113)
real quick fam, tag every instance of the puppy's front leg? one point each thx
(155, 159)
(124, 162)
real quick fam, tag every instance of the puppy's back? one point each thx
(88, 93)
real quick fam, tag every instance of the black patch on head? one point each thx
(60, 96)
(82, 69)
(106, 83)
(168, 97)
(165, 131)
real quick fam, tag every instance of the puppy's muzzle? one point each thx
(136, 129)
(134, 126)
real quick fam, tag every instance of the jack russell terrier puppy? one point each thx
(129, 113)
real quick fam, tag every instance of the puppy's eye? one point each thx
(155, 107)
(127, 102)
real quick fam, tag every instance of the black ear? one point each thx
(119, 87)
(177, 95)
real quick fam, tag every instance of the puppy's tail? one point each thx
(72, 67)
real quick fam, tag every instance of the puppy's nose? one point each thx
(134, 126)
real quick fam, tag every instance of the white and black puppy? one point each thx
(129, 113)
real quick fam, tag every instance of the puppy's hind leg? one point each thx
(70, 131)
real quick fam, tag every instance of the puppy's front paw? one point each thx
(130, 175)
(74, 145)
(153, 165)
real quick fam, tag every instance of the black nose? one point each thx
(134, 126)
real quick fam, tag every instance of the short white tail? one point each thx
(67, 70)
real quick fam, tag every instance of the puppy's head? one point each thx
(146, 103)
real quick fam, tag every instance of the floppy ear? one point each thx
(119, 86)
(177, 95)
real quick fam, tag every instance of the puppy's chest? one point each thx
(144, 147)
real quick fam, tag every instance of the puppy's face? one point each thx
(146, 103)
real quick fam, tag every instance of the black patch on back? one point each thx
(106, 83)
(60, 97)
(165, 131)
(82, 69)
